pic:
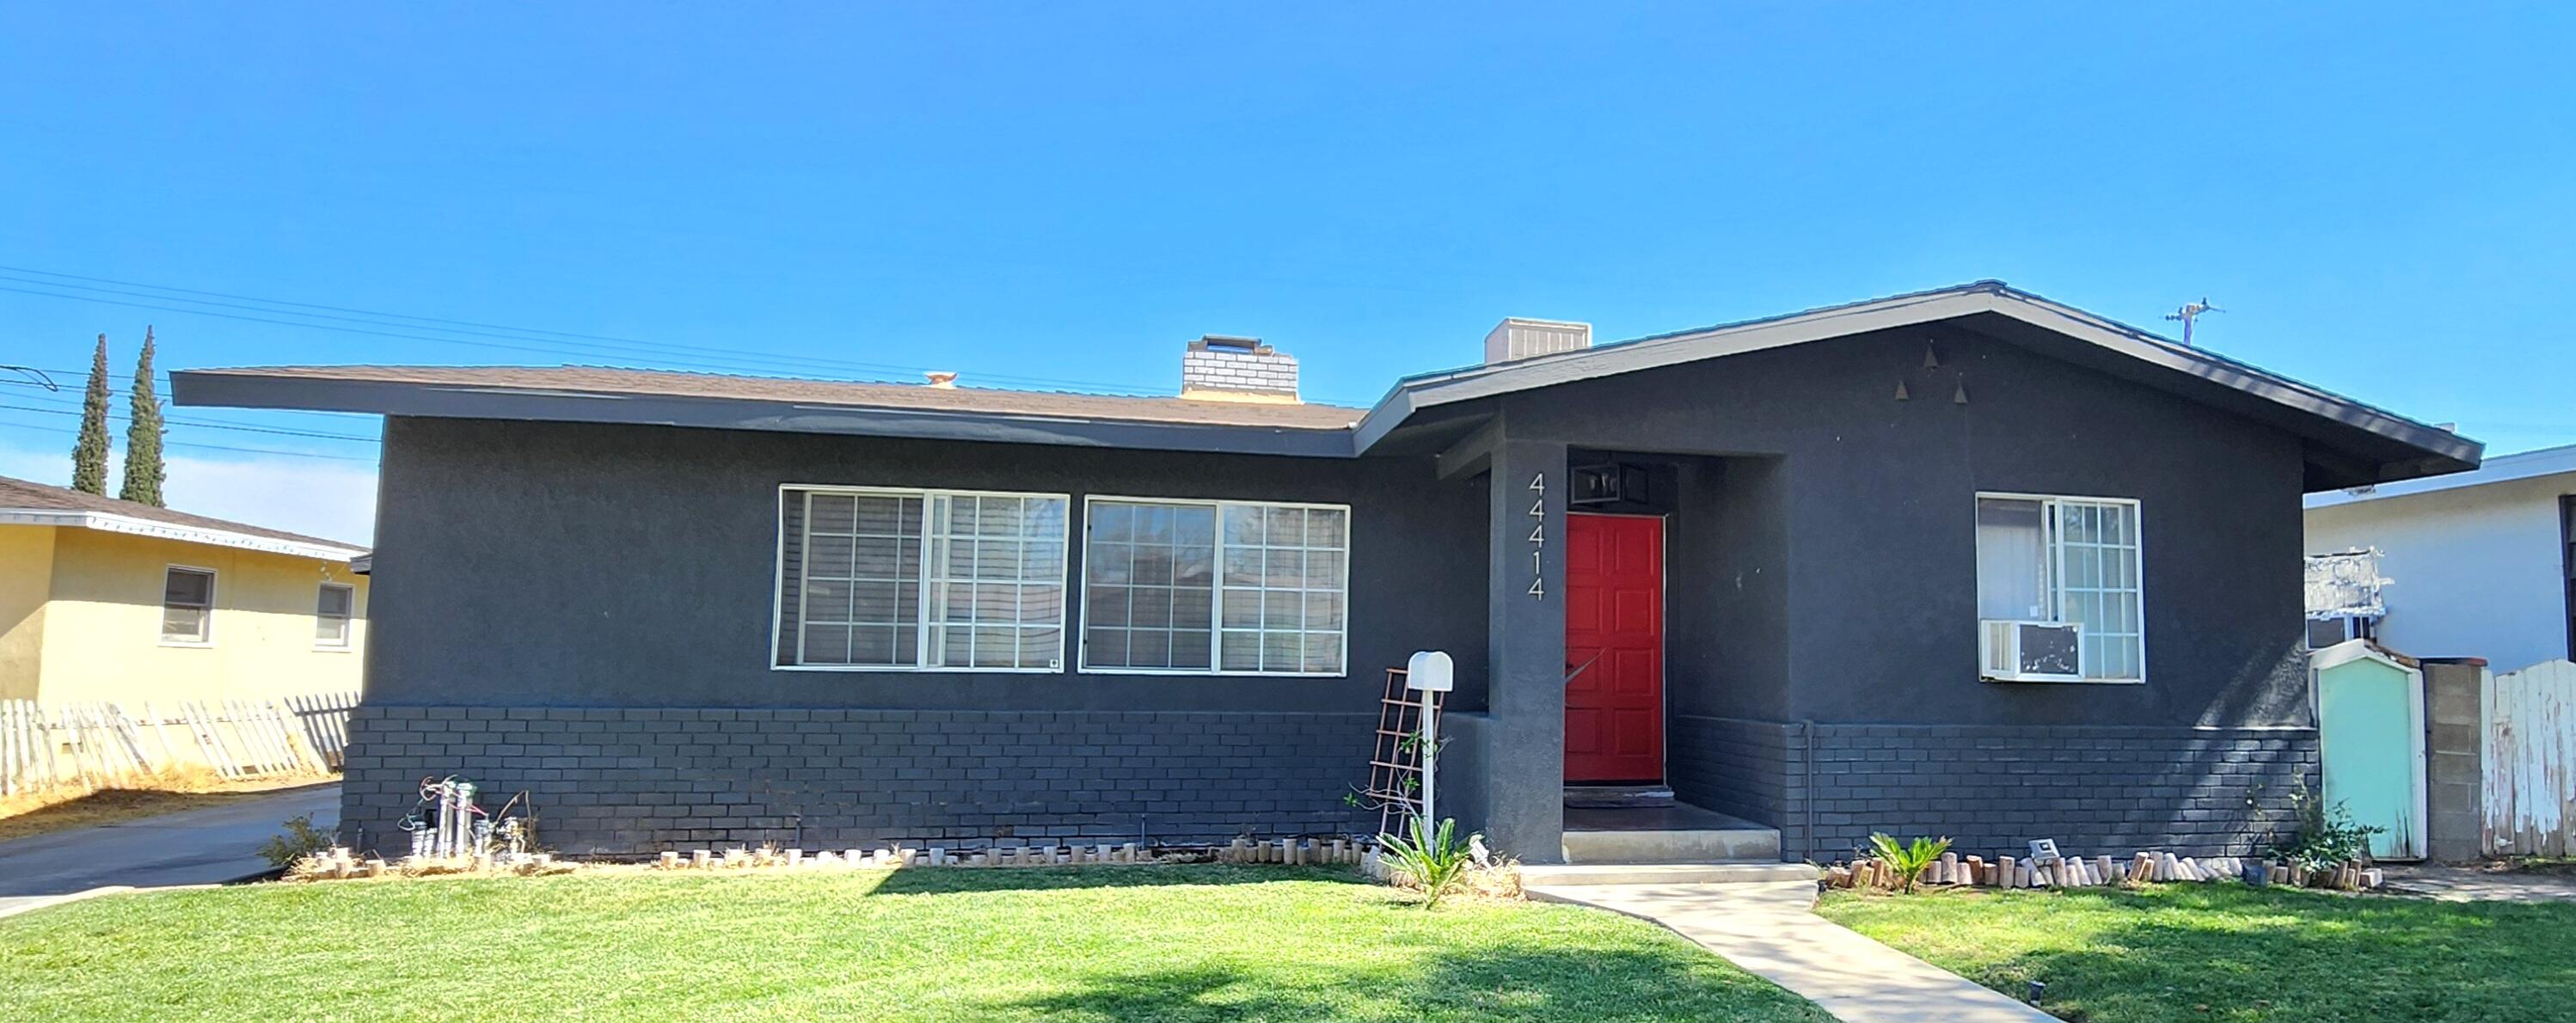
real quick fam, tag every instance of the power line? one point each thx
(309, 326)
(204, 421)
(280, 431)
(696, 355)
(204, 447)
(163, 381)
(603, 349)
(312, 305)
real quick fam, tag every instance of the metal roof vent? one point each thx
(1520, 338)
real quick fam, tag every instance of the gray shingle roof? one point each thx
(31, 495)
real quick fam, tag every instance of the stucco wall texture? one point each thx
(80, 620)
(26, 580)
(2475, 572)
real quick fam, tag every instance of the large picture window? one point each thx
(1223, 587)
(2066, 559)
(902, 579)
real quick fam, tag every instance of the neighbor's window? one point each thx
(1219, 587)
(2066, 559)
(332, 609)
(187, 605)
(896, 579)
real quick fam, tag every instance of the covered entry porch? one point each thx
(1632, 598)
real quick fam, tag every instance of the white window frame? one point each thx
(348, 623)
(1216, 596)
(2056, 593)
(921, 623)
(208, 638)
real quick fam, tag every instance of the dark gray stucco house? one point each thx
(1782, 561)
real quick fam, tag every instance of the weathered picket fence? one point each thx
(2531, 761)
(324, 718)
(93, 744)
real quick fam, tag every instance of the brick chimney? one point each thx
(1520, 338)
(1221, 368)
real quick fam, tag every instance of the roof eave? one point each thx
(2446, 451)
(250, 390)
(2512, 468)
(110, 522)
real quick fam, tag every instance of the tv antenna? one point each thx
(2190, 312)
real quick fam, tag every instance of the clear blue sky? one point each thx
(2384, 201)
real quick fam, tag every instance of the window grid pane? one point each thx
(2098, 547)
(982, 575)
(997, 580)
(861, 589)
(1150, 576)
(1215, 586)
(1282, 604)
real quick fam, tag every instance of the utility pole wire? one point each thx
(684, 356)
(38, 376)
(207, 447)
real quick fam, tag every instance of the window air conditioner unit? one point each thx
(2030, 651)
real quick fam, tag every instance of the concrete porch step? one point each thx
(1672, 845)
(1534, 877)
(1618, 797)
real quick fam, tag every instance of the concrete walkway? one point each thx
(1769, 929)
(2470, 884)
(216, 844)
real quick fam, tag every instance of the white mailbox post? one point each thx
(1428, 672)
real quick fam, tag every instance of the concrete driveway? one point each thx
(208, 846)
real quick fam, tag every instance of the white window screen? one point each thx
(187, 605)
(1237, 588)
(923, 579)
(2063, 559)
(332, 609)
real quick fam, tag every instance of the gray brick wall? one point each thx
(1739, 767)
(2096, 790)
(629, 780)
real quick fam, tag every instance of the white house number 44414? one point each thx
(1538, 535)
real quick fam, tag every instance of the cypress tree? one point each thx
(89, 456)
(143, 430)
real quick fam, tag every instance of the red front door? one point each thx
(1614, 622)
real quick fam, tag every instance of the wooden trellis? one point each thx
(1395, 763)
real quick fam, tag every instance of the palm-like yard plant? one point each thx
(1433, 858)
(1908, 861)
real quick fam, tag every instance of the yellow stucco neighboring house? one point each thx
(102, 599)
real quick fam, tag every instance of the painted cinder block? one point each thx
(871, 776)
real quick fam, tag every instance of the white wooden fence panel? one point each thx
(46, 746)
(2531, 761)
(324, 719)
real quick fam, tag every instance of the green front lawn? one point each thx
(1115, 943)
(2227, 952)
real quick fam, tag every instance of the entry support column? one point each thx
(1525, 651)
